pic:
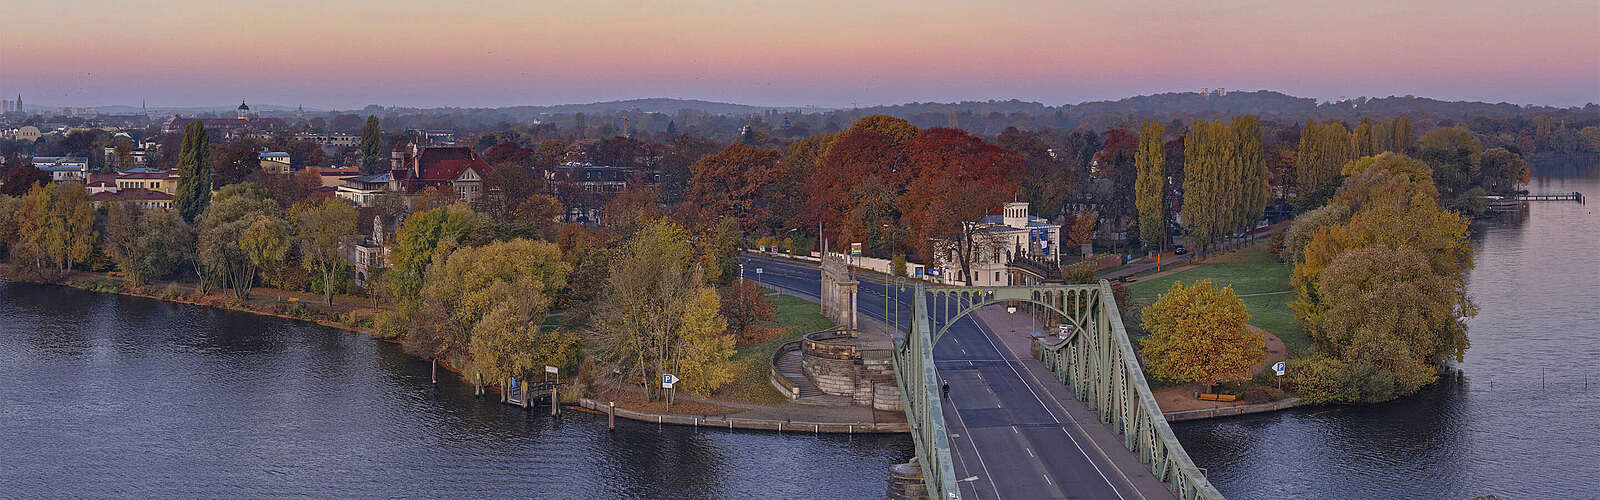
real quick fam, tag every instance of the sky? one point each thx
(350, 53)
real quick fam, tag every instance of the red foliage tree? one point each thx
(960, 179)
(739, 182)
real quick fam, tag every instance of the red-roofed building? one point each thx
(144, 198)
(413, 169)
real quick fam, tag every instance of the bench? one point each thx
(1217, 397)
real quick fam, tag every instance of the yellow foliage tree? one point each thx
(1199, 334)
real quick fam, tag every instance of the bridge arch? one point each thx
(1073, 303)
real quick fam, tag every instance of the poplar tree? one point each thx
(1361, 141)
(1324, 149)
(194, 173)
(1150, 187)
(1250, 185)
(371, 146)
(1201, 203)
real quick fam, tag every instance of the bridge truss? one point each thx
(1096, 360)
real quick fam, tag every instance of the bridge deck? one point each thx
(1012, 425)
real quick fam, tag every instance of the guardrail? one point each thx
(777, 379)
(759, 424)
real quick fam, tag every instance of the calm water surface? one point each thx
(1522, 418)
(107, 396)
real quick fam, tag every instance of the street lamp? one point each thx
(1011, 309)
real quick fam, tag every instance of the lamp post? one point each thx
(1011, 310)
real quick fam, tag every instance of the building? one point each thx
(134, 178)
(372, 252)
(26, 133)
(275, 162)
(228, 128)
(332, 177)
(1013, 248)
(64, 168)
(413, 169)
(432, 137)
(364, 190)
(139, 155)
(143, 198)
(331, 140)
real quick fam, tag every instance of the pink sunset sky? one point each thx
(350, 53)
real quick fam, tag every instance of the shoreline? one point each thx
(748, 423)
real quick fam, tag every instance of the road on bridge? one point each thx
(1005, 428)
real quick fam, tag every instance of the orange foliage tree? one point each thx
(960, 179)
(741, 182)
(1199, 334)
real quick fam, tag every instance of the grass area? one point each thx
(1249, 270)
(796, 318)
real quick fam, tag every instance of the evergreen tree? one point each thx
(194, 173)
(371, 146)
(1150, 187)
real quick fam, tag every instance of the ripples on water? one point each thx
(122, 397)
(1518, 421)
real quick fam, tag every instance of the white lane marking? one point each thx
(1030, 452)
(974, 444)
(981, 331)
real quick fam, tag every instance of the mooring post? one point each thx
(611, 416)
(433, 374)
(477, 384)
(504, 392)
(525, 396)
(553, 399)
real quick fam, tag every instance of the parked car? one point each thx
(1179, 250)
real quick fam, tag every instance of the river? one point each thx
(111, 396)
(1521, 419)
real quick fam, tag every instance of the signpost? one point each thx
(759, 270)
(551, 369)
(1278, 367)
(667, 380)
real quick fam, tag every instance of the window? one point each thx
(997, 276)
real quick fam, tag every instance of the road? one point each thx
(1005, 428)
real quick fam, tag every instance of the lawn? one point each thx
(1249, 270)
(796, 318)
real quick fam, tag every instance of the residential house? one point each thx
(275, 162)
(64, 168)
(413, 169)
(332, 177)
(364, 190)
(144, 198)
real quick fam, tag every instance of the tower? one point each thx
(244, 111)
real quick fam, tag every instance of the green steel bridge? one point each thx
(1095, 360)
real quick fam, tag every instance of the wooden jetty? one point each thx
(524, 393)
(1512, 202)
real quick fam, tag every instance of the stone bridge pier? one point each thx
(839, 292)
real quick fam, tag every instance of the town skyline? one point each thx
(353, 54)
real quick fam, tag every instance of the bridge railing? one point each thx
(919, 392)
(1101, 367)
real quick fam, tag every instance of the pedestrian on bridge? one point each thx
(946, 388)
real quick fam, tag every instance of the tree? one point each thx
(872, 157)
(265, 243)
(658, 317)
(194, 173)
(745, 305)
(421, 237)
(485, 304)
(737, 182)
(146, 244)
(324, 229)
(1454, 153)
(1387, 308)
(1503, 172)
(16, 178)
(1204, 204)
(221, 248)
(1200, 333)
(55, 226)
(1081, 231)
(1250, 180)
(960, 179)
(1116, 163)
(1306, 225)
(1150, 187)
(371, 147)
(1324, 149)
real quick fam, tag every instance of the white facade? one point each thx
(999, 241)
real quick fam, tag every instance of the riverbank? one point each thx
(749, 398)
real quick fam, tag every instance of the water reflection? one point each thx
(116, 396)
(1517, 421)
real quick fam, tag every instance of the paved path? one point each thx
(1013, 427)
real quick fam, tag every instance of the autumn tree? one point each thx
(16, 178)
(1204, 194)
(146, 244)
(422, 236)
(486, 304)
(870, 162)
(54, 227)
(745, 305)
(1117, 163)
(960, 179)
(1324, 149)
(1081, 231)
(658, 317)
(229, 258)
(265, 242)
(738, 182)
(371, 147)
(194, 173)
(1200, 333)
(324, 230)
(1150, 187)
